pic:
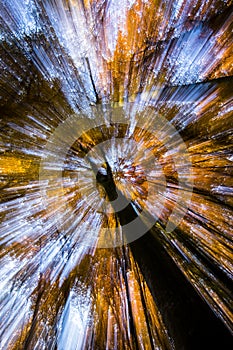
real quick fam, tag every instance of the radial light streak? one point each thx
(167, 67)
